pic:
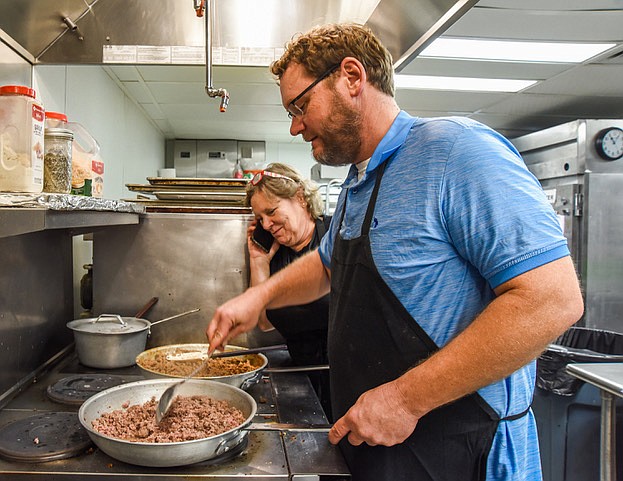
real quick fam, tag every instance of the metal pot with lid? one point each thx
(112, 341)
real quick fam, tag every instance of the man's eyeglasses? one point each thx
(296, 111)
(260, 175)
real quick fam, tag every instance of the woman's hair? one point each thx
(286, 189)
(327, 45)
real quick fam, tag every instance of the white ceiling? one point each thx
(174, 96)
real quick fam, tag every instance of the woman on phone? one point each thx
(288, 224)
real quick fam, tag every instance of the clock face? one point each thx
(609, 143)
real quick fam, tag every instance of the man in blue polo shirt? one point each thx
(447, 268)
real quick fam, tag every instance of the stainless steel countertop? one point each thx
(606, 376)
(269, 455)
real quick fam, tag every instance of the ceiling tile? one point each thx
(138, 91)
(585, 80)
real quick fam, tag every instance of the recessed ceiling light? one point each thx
(461, 83)
(518, 51)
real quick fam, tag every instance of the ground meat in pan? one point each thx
(188, 418)
(226, 366)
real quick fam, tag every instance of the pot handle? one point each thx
(175, 316)
(108, 317)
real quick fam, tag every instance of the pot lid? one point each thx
(109, 324)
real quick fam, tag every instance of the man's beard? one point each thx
(341, 138)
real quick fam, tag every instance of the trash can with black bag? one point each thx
(567, 410)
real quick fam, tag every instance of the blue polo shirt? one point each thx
(458, 214)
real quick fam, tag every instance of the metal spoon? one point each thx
(169, 394)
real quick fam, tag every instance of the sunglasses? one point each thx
(296, 111)
(260, 175)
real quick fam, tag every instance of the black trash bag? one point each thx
(578, 344)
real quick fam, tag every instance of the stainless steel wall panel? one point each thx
(36, 301)
(186, 260)
(603, 267)
(185, 158)
(254, 150)
(216, 158)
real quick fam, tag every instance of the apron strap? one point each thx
(514, 417)
(365, 228)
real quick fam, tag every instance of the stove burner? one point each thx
(44, 437)
(76, 389)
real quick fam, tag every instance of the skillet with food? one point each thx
(169, 452)
(179, 361)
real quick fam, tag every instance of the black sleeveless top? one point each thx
(303, 326)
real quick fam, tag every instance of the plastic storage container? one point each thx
(250, 167)
(85, 150)
(21, 140)
(567, 410)
(57, 161)
(55, 120)
(97, 175)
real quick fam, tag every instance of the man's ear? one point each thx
(355, 74)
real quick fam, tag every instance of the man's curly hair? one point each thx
(327, 45)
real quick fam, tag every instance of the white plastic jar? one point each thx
(21, 140)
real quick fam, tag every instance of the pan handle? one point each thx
(175, 316)
(274, 370)
(314, 428)
(247, 383)
(146, 307)
(227, 444)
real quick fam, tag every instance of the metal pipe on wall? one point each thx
(200, 7)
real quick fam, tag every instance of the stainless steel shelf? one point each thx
(23, 220)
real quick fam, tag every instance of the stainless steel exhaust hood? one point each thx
(77, 31)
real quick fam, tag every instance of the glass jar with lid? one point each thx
(57, 160)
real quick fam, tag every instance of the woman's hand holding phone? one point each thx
(262, 237)
(261, 242)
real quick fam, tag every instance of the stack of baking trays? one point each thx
(191, 194)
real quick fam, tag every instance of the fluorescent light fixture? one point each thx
(519, 51)
(460, 83)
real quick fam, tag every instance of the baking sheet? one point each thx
(150, 189)
(197, 181)
(193, 209)
(173, 206)
(199, 196)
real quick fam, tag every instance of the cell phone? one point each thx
(262, 238)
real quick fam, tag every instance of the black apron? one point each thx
(373, 340)
(304, 327)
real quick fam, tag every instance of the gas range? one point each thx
(266, 455)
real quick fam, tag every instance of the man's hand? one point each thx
(236, 316)
(379, 417)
